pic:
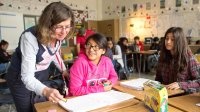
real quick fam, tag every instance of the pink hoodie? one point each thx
(84, 75)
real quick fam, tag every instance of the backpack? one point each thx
(55, 81)
(121, 72)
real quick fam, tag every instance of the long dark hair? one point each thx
(122, 46)
(181, 49)
(113, 48)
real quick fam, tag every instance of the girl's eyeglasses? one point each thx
(89, 46)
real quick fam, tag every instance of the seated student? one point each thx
(4, 56)
(116, 50)
(92, 72)
(153, 59)
(137, 46)
(177, 66)
(123, 43)
(81, 38)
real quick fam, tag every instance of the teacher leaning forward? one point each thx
(38, 47)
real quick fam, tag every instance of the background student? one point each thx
(177, 66)
(92, 72)
(4, 56)
(81, 38)
(38, 47)
(116, 50)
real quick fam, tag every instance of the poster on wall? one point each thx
(29, 21)
(195, 2)
(148, 6)
(123, 10)
(178, 3)
(135, 7)
(162, 4)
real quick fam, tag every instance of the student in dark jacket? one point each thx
(4, 56)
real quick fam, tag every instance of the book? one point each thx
(136, 84)
(94, 101)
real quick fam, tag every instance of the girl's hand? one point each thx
(173, 86)
(107, 88)
(107, 85)
(53, 95)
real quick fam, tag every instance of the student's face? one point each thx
(125, 42)
(169, 42)
(62, 29)
(5, 47)
(110, 44)
(93, 51)
(137, 41)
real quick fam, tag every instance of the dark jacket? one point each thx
(4, 56)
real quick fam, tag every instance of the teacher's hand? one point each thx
(53, 95)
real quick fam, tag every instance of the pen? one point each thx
(65, 100)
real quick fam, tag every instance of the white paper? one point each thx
(135, 83)
(94, 101)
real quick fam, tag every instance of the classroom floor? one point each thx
(8, 106)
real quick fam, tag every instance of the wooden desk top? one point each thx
(186, 102)
(140, 107)
(45, 106)
(140, 94)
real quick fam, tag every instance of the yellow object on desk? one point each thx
(198, 57)
(156, 98)
(68, 56)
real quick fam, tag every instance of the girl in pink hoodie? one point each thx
(92, 72)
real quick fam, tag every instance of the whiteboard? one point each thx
(11, 27)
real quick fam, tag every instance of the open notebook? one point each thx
(135, 83)
(94, 101)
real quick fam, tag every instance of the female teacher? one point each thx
(38, 47)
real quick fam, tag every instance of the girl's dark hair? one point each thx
(155, 39)
(99, 39)
(122, 46)
(180, 50)
(136, 38)
(53, 14)
(3, 42)
(113, 48)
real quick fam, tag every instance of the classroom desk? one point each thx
(186, 102)
(140, 94)
(140, 107)
(144, 54)
(45, 106)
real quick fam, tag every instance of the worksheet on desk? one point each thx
(94, 101)
(135, 83)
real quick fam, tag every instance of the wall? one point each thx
(109, 28)
(11, 27)
(12, 12)
(153, 21)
